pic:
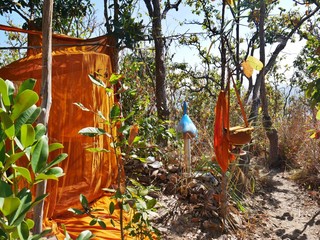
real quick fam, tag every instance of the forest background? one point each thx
(168, 52)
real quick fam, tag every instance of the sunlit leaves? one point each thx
(251, 64)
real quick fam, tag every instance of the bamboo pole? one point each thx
(45, 96)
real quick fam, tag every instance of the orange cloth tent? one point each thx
(85, 172)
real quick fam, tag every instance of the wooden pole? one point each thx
(45, 96)
(187, 155)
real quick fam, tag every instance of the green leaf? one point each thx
(4, 93)
(24, 172)
(23, 101)
(30, 223)
(151, 203)
(102, 224)
(255, 63)
(318, 115)
(40, 131)
(8, 205)
(52, 173)
(112, 222)
(23, 230)
(43, 234)
(97, 150)
(115, 112)
(114, 79)
(56, 161)
(93, 222)
(27, 117)
(27, 135)
(92, 131)
(12, 159)
(97, 81)
(111, 207)
(40, 154)
(57, 171)
(76, 211)
(7, 125)
(55, 146)
(84, 201)
(143, 192)
(5, 189)
(27, 84)
(85, 235)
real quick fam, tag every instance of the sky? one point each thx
(171, 25)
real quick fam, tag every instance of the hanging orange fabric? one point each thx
(221, 131)
(85, 172)
(225, 137)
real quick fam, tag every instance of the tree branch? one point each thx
(170, 6)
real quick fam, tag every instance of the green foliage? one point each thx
(69, 17)
(127, 29)
(133, 198)
(20, 141)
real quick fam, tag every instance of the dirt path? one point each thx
(285, 211)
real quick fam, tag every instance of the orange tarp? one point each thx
(85, 172)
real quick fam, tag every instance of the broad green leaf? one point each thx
(4, 93)
(55, 146)
(92, 131)
(12, 159)
(85, 235)
(7, 125)
(11, 89)
(5, 189)
(255, 63)
(41, 177)
(27, 117)
(56, 161)
(40, 154)
(27, 84)
(27, 135)
(40, 130)
(8, 205)
(23, 101)
(97, 81)
(24, 172)
(23, 230)
(30, 223)
(52, 173)
(115, 112)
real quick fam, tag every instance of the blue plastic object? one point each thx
(186, 126)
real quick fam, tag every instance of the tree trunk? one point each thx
(271, 132)
(45, 95)
(161, 96)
